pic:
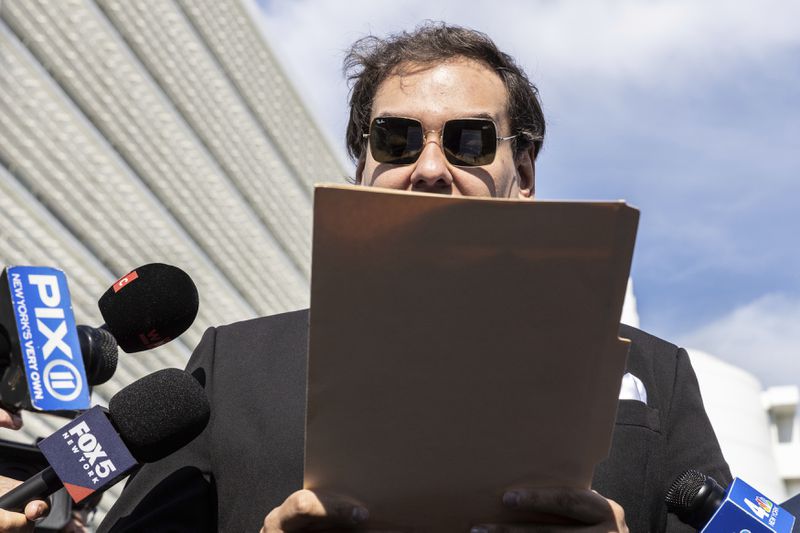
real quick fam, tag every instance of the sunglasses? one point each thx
(466, 142)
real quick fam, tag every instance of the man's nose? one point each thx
(431, 173)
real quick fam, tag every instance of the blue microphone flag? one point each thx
(745, 510)
(43, 337)
(87, 454)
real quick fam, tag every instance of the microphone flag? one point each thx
(45, 365)
(87, 454)
(746, 509)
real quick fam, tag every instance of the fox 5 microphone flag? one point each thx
(87, 454)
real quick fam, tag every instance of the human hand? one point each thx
(10, 420)
(565, 510)
(305, 510)
(15, 522)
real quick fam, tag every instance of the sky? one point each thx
(688, 110)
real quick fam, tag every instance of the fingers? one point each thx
(36, 509)
(581, 505)
(11, 521)
(570, 510)
(503, 528)
(305, 509)
(14, 522)
(10, 420)
(539, 528)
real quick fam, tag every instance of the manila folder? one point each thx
(460, 347)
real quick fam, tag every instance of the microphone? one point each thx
(98, 347)
(702, 503)
(100, 353)
(149, 306)
(147, 420)
(20, 461)
(42, 367)
(158, 307)
(170, 306)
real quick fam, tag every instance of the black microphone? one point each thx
(98, 348)
(149, 306)
(20, 461)
(702, 503)
(100, 353)
(159, 307)
(694, 497)
(154, 416)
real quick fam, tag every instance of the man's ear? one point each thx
(526, 170)
(360, 170)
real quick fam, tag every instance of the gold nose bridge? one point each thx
(438, 139)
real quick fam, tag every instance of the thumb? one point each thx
(36, 509)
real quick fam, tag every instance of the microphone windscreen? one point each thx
(150, 306)
(100, 354)
(694, 498)
(159, 413)
(683, 491)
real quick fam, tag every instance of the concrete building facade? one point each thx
(154, 131)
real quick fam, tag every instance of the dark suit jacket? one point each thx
(250, 457)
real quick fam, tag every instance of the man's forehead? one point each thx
(458, 87)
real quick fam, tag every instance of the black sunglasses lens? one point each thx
(469, 142)
(395, 140)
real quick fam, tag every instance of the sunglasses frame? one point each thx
(440, 133)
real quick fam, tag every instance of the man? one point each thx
(436, 77)
(439, 110)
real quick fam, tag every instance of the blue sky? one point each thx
(688, 110)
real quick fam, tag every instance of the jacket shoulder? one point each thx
(646, 341)
(266, 324)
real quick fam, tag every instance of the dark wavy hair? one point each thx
(371, 60)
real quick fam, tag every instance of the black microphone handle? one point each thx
(5, 348)
(37, 487)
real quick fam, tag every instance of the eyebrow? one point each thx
(482, 114)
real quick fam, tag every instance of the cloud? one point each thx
(570, 49)
(762, 337)
(685, 108)
(659, 41)
(656, 41)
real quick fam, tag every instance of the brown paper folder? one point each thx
(460, 347)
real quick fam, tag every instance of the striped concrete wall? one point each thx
(154, 131)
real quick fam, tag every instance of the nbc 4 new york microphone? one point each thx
(702, 503)
(95, 450)
(158, 303)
